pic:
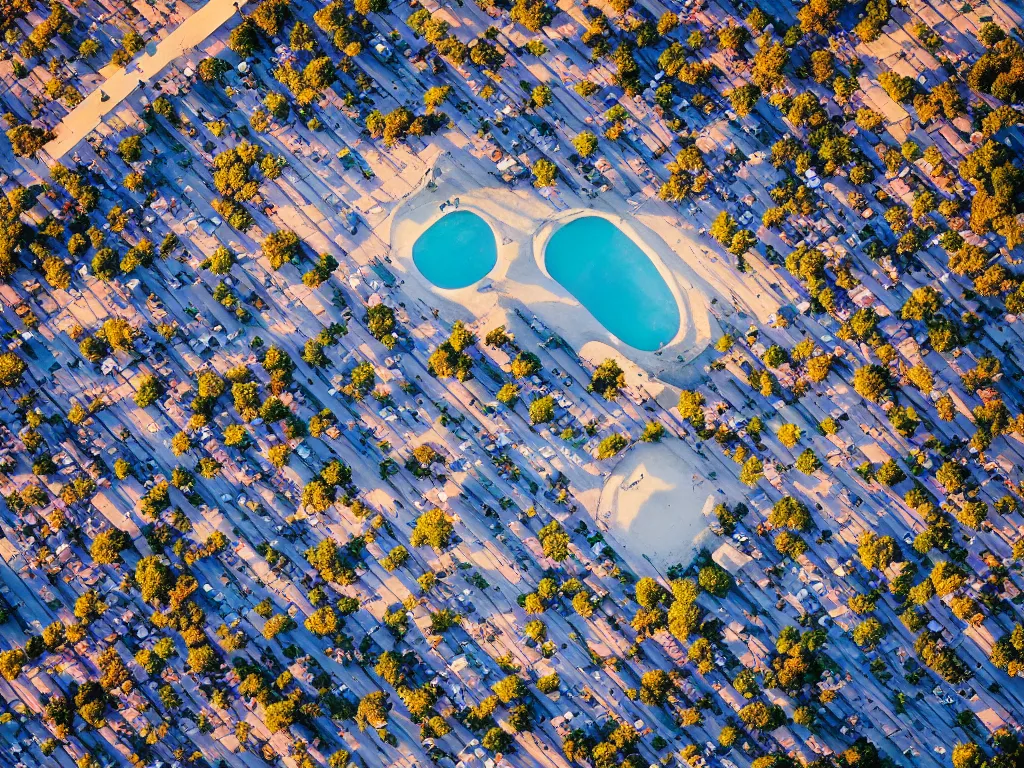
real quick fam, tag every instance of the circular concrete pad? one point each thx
(655, 505)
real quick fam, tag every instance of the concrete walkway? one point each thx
(87, 116)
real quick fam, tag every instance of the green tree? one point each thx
(436, 96)
(525, 364)
(496, 739)
(508, 394)
(372, 710)
(762, 717)
(26, 139)
(532, 14)
(655, 687)
(789, 435)
(220, 261)
(433, 528)
(541, 97)
(280, 247)
(366, 7)
(554, 541)
(869, 633)
(723, 228)
(715, 580)
(649, 593)
(130, 148)
(752, 472)
(280, 715)
(607, 379)
(611, 445)
(244, 40)
(148, 390)
(544, 171)
(952, 477)
(808, 462)
(653, 432)
(582, 604)
(872, 382)
(212, 69)
(202, 659)
(154, 578)
(968, 755)
(12, 662)
(277, 624)
(509, 689)
(744, 98)
(789, 512)
(542, 410)
(548, 683)
(279, 454)
(323, 621)
(12, 369)
(877, 552)
(585, 144)
(108, 545)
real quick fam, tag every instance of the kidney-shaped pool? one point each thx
(456, 250)
(614, 280)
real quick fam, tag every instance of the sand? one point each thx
(654, 504)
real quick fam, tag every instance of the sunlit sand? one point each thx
(654, 504)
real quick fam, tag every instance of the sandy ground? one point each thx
(523, 221)
(86, 116)
(654, 505)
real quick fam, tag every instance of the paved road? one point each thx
(87, 115)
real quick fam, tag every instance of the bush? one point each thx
(542, 410)
(611, 445)
(548, 683)
(714, 580)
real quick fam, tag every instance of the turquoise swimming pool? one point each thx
(456, 251)
(615, 281)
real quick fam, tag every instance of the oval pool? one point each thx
(456, 250)
(615, 281)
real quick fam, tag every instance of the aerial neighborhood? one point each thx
(511, 384)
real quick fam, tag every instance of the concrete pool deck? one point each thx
(523, 221)
(521, 217)
(652, 524)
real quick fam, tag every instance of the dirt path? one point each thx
(86, 116)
